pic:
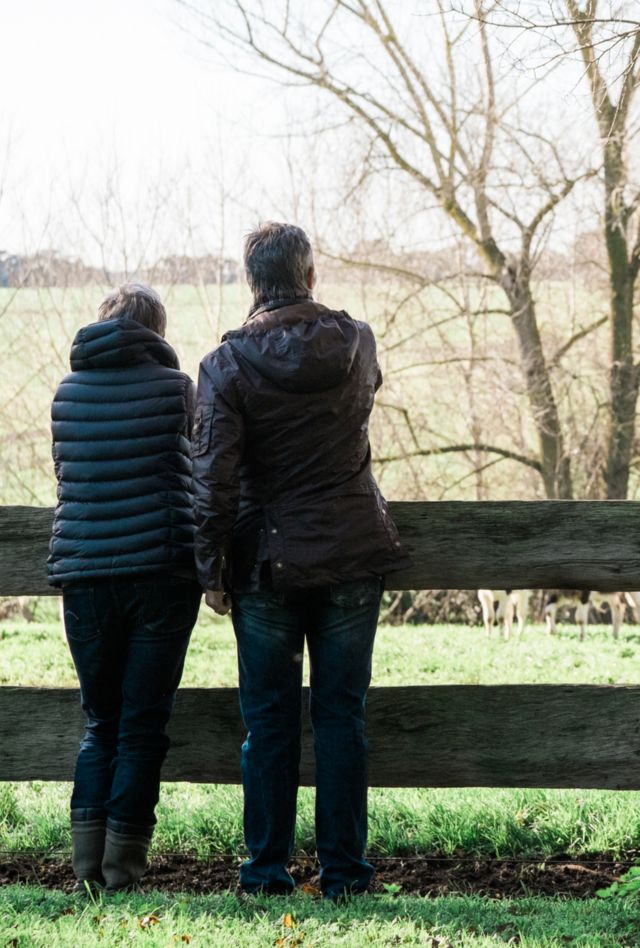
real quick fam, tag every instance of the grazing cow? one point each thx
(583, 600)
(503, 605)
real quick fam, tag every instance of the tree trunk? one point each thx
(556, 466)
(623, 377)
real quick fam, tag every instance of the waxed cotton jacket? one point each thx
(284, 492)
(121, 424)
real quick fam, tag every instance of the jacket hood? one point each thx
(302, 347)
(113, 343)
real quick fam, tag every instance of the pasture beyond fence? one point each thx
(419, 736)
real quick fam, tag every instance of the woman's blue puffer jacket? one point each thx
(121, 423)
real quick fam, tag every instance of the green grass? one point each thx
(33, 917)
(207, 820)
(35, 653)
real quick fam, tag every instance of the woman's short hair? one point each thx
(277, 259)
(135, 301)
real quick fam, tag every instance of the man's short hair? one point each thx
(136, 301)
(277, 259)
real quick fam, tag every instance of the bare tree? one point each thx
(451, 136)
(606, 36)
(612, 111)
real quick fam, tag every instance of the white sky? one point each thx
(78, 69)
(99, 93)
(89, 84)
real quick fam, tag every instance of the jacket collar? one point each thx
(114, 343)
(259, 308)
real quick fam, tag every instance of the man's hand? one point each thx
(218, 600)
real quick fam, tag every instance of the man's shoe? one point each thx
(268, 888)
(344, 895)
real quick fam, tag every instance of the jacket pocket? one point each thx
(201, 434)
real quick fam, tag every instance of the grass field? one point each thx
(35, 653)
(424, 352)
(32, 917)
(206, 819)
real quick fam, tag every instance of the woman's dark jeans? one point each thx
(128, 639)
(339, 623)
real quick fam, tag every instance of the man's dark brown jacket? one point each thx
(285, 495)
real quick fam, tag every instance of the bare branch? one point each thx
(464, 448)
(576, 337)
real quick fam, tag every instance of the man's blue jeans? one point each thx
(339, 624)
(128, 639)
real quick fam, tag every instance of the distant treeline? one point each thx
(374, 258)
(51, 268)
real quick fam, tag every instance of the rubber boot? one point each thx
(125, 859)
(88, 839)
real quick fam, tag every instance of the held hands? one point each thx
(218, 600)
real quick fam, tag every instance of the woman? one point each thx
(122, 552)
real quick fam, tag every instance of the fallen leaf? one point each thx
(288, 921)
(148, 920)
(311, 890)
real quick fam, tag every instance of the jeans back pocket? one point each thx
(356, 593)
(80, 614)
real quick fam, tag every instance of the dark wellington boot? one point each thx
(88, 838)
(125, 859)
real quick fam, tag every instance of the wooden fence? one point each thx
(431, 736)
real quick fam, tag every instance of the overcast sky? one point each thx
(116, 95)
(90, 85)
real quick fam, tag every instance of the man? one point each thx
(294, 536)
(122, 551)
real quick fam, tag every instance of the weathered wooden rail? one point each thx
(457, 545)
(444, 736)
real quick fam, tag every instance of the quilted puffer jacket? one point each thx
(284, 491)
(121, 423)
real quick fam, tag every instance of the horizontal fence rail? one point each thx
(441, 736)
(494, 545)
